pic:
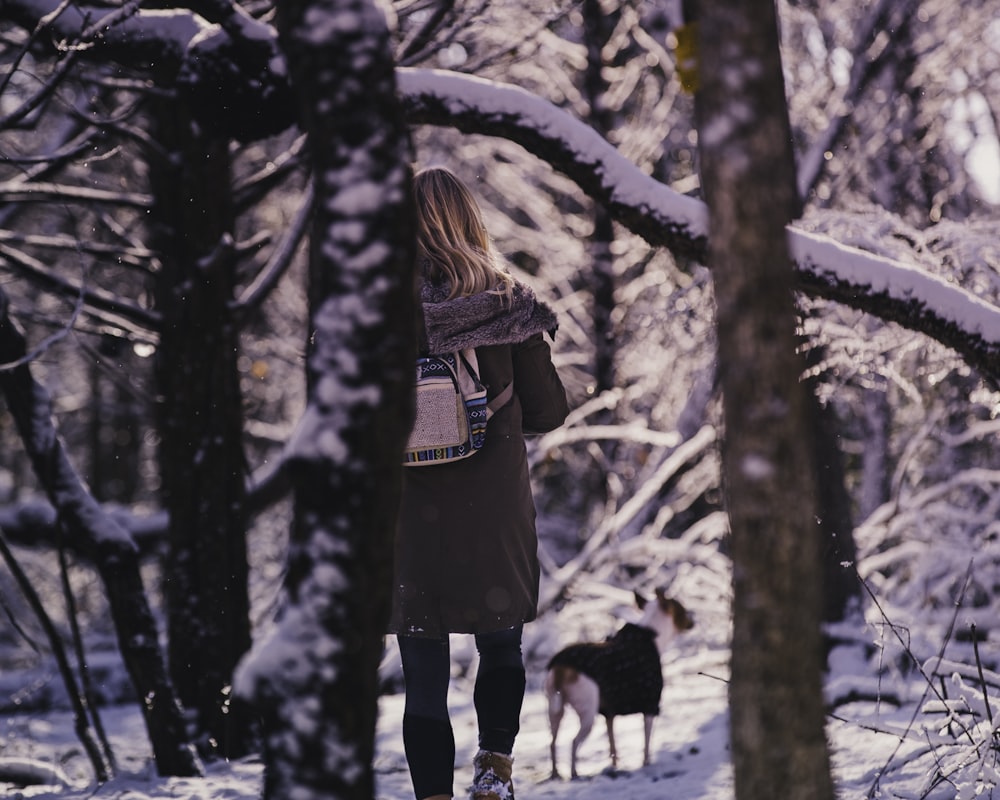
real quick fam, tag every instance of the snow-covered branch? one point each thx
(232, 72)
(474, 105)
(897, 292)
(889, 289)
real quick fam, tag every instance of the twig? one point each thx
(863, 69)
(941, 776)
(905, 645)
(81, 659)
(53, 339)
(262, 285)
(92, 298)
(17, 626)
(82, 726)
(864, 726)
(982, 678)
(874, 789)
(944, 693)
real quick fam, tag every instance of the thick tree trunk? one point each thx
(776, 702)
(108, 545)
(316, 679)
(200, 421)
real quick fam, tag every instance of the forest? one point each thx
(768, 230)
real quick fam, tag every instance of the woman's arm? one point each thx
(537, 384)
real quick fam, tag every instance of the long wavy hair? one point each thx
(452, 240)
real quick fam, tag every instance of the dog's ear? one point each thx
(640, 600)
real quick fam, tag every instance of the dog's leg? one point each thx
(611, 743)
(557, 705)
(587, 716)
(647, 720)
(585, 698)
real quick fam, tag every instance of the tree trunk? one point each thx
(316, 679)
(200, 421)
(776, 702)
(108, 545)
(114, 426)
(876, 472)
(597, 30)
(835, 528)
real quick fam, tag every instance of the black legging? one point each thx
(428, 739)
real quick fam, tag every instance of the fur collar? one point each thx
(482, 319)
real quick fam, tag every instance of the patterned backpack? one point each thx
(452, 410)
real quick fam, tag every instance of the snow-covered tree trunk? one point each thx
(200, 420)
(776, 702)
(316, 676)
(109, 547)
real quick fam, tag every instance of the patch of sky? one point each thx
(973, 133)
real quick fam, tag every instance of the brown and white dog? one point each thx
(621, 675)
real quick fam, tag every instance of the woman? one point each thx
(466, 552)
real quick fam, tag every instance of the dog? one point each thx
(621, 675)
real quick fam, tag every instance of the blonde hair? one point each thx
(452, 239)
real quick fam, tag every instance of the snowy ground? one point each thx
(690, 749)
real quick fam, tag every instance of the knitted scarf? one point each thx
(482, 319)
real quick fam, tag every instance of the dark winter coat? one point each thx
(625, 667)
(466, 551)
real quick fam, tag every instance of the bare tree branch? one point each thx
(96, 298)
(280, 260)
(132, 256)
(27, 192)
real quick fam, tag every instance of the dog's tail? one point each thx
(556, 680)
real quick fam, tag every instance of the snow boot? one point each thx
(492, 776)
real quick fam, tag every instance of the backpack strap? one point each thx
(501, 399)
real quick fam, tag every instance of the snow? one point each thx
(873, 743)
